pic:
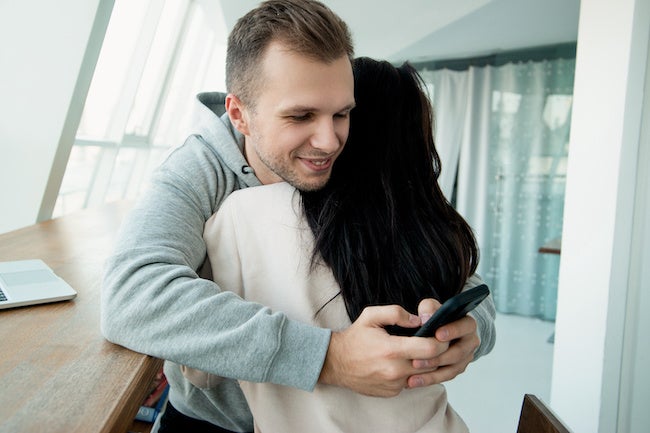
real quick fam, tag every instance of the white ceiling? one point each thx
(443, 29)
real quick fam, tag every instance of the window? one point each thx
(156, 57)
(502, 133)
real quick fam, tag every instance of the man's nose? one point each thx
(325, 136)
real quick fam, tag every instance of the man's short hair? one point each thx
(306, 27)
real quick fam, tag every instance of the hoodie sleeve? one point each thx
(154, 302)
(484, 314)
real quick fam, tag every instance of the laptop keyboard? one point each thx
(3, 297)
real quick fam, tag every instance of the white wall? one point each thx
(43, 82)
(595, 271)
(635, 378)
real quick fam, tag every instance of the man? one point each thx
(290, 87)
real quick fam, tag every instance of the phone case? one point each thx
(454, 309)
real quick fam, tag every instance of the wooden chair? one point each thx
(536, 417)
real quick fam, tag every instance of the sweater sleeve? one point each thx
(484, 314)
(154, 302)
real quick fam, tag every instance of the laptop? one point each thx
(29, 282)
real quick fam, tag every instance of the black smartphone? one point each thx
(453, 309)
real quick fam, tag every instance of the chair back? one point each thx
(536, 417)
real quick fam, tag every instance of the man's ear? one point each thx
(237, 113)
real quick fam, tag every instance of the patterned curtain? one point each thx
(509, 146)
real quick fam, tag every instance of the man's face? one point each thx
(300, 120)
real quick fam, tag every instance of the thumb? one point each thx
(427, 307)
(387, 315)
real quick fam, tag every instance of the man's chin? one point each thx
(306, 186)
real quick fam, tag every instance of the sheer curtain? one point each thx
(505, 129)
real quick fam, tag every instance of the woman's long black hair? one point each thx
(382, 223)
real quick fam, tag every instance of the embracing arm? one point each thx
(154, 302)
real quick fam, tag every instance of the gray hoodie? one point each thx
(154, 302)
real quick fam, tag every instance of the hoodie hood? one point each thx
(213, 125)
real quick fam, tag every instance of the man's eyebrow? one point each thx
(309, 109)
(298, 109)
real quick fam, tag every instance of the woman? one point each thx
(381, 232)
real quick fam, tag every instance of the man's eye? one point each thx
(301, 118)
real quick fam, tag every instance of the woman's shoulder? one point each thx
(274, 201)
(263, 197)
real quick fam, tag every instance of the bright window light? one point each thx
(157, 55)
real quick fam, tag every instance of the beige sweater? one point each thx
(263, 242)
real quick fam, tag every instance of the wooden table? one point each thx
(57, 372)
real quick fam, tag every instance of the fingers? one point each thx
(440, 375)
(432, 361)
(458, 329)
(405, 348)
(386, 315)
(463, 329)
(428, 306)
(449, 364)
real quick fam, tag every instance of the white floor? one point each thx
(489, 394)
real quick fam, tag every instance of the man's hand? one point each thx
(367, 360)
(462, 338)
